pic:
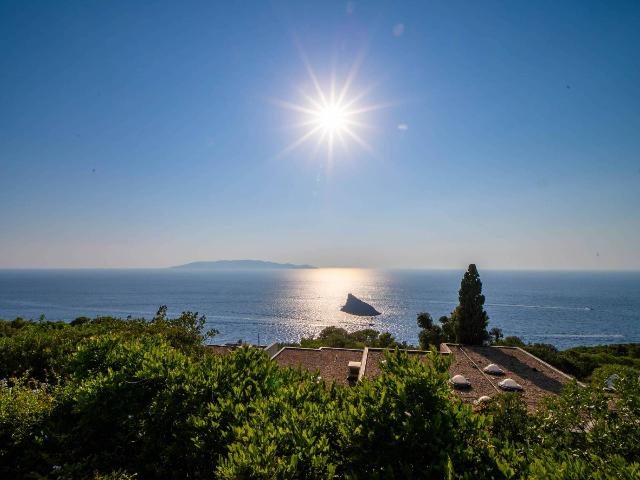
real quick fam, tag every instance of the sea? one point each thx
(565, 309)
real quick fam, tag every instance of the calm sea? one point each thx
(562, 308)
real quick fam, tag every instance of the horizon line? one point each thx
(345, 267)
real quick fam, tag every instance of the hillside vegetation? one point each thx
(337, 337)
(121, 399)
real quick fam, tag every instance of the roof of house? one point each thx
(332, 364)
(537, 378)
(374, 358)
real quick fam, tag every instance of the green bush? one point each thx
(141, 406)
(509, 418)
(401, 424)
(134, 399)
(39, 350)
(569, 467)
(583, 433)
(25, 406)
(42, 349)
(337, 337)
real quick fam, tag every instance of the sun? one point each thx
(330, 115)
(332, 118)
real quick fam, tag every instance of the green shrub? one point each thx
(569, 467)
(509, 419)
(42, 349)
(25, 406)
(117, 475)
(400, 424)
(293, 434)
(136, 399)
(405, 423)
(589, 423)
(39, 350)
(337, 337)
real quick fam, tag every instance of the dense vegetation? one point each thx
(337, 337)
(121, 399)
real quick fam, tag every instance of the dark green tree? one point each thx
(337, 337)
(430, 334)
(496, 334)
(448, 330)
(469, 318)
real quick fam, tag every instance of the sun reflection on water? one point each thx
(325, 290)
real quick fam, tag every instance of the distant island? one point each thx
(241, 265)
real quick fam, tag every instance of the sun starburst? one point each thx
(330, 115)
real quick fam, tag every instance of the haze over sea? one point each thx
(562, 308)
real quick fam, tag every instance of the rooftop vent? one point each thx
(510, 385)
(460, 381)
(493, 369)
(482, 399)
(354, 370)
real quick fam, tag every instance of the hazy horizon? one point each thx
(460, 268)
(367, 134)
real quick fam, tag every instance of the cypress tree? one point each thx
(469, 318)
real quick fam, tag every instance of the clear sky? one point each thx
(138, 134)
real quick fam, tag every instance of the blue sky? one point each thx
(146, 134)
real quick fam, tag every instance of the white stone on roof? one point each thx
(510, 384)
(482, 399)
(493, 369)
(460, 381)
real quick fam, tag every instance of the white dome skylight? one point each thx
(460, 381)
(493, 369)
(482, 399)
(510, 384)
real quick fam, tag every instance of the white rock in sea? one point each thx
(460, 381)
(493, 369)
(510, 385)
